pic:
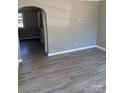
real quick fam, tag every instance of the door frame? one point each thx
(44, 22)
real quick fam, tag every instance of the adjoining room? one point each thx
(31, 32)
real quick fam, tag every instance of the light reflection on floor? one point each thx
(31, 48)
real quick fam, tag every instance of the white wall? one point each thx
(101, 34)
(62, 22)
(19, 53)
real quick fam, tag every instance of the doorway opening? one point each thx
(32, 32)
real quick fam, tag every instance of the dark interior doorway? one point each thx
(31, 32)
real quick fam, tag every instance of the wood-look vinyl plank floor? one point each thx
(77, 72)
(31, 49)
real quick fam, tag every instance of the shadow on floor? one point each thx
(31, 48)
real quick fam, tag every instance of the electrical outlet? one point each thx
(75, 44)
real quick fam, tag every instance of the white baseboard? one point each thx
(102, 48)
(29, 38)
(20, 60)
(71, 50)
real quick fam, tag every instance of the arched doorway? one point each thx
(32, 26)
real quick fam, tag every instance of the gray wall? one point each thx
(30, 19)
(64, 28)
(40, 25)
(19, 53)
(101, 34)
(30, 29)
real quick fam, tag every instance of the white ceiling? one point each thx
(88, 0)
